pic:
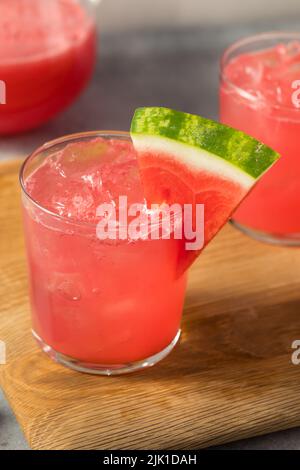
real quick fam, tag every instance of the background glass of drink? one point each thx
(47, 53)
(258, 95)
(99, 306)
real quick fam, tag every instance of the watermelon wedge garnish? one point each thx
(188, 159)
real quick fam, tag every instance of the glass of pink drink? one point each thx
(47, 53)
(260, 95)
(99, 306)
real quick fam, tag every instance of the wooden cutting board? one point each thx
(230, 377)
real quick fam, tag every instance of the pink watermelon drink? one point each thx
(114, 305)
(47, 52)
(259, 95)
(103, 306)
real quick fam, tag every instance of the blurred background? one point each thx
(158, 53)
(124, 15)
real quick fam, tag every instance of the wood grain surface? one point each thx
(230, 377)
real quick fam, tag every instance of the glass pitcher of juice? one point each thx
(47, 54)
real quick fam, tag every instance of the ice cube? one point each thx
(74, 201)
(82, 158)
(293, 51)
(124, 180)
(245, 71)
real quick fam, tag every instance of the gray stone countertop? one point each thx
(173, 68)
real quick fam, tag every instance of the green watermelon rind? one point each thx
(235, 147)
(195, 159)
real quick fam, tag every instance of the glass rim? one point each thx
(251, 39)
(121, 135)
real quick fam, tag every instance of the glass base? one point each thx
(104, 369)
(275, 239)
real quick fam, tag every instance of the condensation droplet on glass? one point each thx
(96, 291)
(69, 290)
